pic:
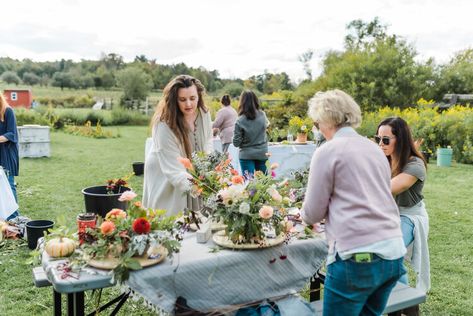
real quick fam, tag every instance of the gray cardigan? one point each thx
(250, 136)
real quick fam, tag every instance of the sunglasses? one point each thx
(385, 139)
(316, 125)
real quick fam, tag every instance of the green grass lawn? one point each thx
(52, 186)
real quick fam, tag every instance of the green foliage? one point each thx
(457, 75)
(58, 118)
(453, 128)
(24, 117)
(89, 131)
(136, 84)
(268, 82)
(10, 77)
(30, 78)
(71, 101)
(234, 89)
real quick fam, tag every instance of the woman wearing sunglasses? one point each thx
(408, 171)
(349, 187)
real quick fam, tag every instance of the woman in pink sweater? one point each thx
(349, 187)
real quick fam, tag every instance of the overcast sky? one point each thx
(239, 38)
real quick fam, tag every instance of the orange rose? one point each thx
(234, 172)
(237, 179)
(186, 163)
(115, 214)
(137, 204)
(107, 227)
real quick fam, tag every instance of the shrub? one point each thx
(453, 128)
(24, 116)
(89, 131)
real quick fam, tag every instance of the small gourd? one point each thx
(60, 247)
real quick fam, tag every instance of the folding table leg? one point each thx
(79, 304)
(57, 303)
(70, 304)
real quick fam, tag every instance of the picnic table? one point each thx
(207, 280)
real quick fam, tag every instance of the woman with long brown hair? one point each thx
(408, 174)
(9, 158)
(181, 125)
(250, 134)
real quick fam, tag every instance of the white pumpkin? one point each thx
(60, 247)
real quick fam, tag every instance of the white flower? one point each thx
(303, 128)
(244, 208)
(233, 193)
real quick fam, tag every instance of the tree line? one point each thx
(377, 68)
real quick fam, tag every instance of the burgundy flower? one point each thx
(141, 226)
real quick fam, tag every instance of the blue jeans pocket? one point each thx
(362, 275)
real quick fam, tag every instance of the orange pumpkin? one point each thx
(60, 247)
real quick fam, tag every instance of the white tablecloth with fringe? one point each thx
(213, 281)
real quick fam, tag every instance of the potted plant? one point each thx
(253, 209)
(101, 199)
(300, 127)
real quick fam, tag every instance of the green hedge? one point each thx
(58, 118)
(453, 127)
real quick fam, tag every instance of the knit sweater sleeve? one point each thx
(168, 151)
(319, 187)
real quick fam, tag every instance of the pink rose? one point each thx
(266, 212)
(127, 196)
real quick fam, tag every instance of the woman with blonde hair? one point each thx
(9, 158)
(349, 187)
(181, 125)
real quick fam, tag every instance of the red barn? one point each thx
(18, 97)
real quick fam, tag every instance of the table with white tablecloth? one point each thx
(8, 204)
(290, 157)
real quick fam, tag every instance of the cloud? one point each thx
(40, 39)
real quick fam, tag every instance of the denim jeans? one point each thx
(407, 228)
(360, 288)
(11, 181)
(250, 166)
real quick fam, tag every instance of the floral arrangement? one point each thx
(125, 236)
(253, 208)
(298, 125)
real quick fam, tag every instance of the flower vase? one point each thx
(301, 137)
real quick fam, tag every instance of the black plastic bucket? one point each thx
(138, 168)
(35, 230)
(99, 202)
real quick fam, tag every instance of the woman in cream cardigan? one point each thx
(181, 125)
